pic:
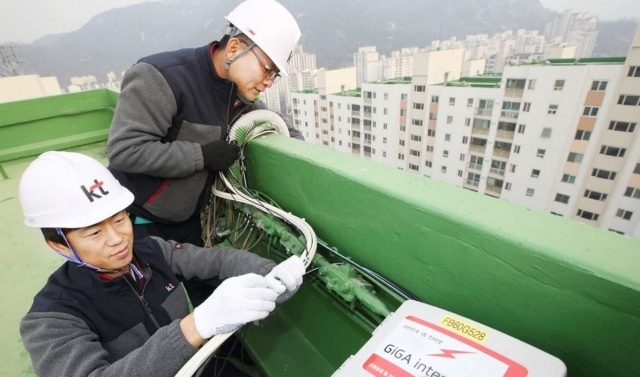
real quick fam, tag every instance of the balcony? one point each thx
(511, 114)
(483, 112)
(479, 131)
(504, 134)
(495, 171)
(475, 166)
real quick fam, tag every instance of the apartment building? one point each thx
(556, 136)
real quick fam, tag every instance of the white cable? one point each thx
(191, 366)
(301, 224)
(250, 120)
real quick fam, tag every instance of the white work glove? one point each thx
(236, 301)
(286, 278)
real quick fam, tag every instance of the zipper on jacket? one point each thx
(143, 300)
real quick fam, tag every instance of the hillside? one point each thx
(332, 29)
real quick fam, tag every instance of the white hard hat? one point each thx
(270, 26)
(69, 190)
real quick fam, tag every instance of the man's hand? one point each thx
(236, 301)
(219, 155)
(286, 277)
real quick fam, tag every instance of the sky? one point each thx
(24, 21)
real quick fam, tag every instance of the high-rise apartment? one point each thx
(557, 136)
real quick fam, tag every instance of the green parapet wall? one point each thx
(34, 126)
(564, 287)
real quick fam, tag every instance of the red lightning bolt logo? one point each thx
(448, 353)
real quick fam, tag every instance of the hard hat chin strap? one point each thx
(227, 64)
(77, 259)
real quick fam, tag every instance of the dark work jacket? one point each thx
(121, 313)
(204, 104)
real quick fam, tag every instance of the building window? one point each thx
(516, 149)
(595, 195)
(449, 119)
(559, 84)
(447, 137)
(634, 71)
(435, 99)
(552, 109)
(384, 154)
(475, 162)
(588, 215)
(530, 192)
(414, 152)
(418, 105)
(604, 174)
(629, 100)
(622, 126)
(400, 156)
(452, 101)
(568, 178)
(624, 214)
(599, 86)
(431, 133)
(443, 169)
(429, 148)
(416, 137)
(401, 142)
(467, 121)
(546, 133)
(583, 135)
(445, 154)
(427, 164)
(575, 157)
(470, 102)
(384, 140)
(612, 151)
(419, 88)
(462, 157)
(416, 122)
(632, 192)
(562, 198)
(414, 167)
(526, 107)
(532, 84)
(535, 173)
(403, 128)
(521, 128)
(507, 186)
(433, 116)
(590, 111)
(465, 139)
(540, 153)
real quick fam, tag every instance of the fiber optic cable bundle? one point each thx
(248, 127)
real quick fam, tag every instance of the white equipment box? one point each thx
(422, 340)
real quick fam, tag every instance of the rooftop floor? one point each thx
(26, 263)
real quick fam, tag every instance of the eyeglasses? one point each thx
(269, 73)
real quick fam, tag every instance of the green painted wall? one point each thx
(33, 126)
(566, 288)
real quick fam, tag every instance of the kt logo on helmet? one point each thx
(90, 194)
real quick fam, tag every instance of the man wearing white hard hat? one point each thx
(169, 133)
(116, 307)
